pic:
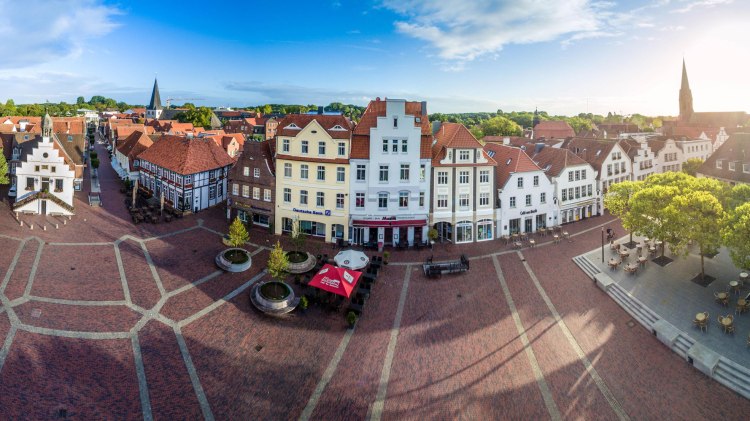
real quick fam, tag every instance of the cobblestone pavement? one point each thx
(103, 319)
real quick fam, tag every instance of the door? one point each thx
(44, 207)
(528, 225)
(358, 235)
(45, 183)
(388, 236)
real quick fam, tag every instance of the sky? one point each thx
(564, 57)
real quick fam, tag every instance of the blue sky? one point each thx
(473, 55)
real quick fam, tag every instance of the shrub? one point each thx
(303, 302)
(351, 318)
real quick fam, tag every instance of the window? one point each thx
(395, 122)
(246, 171)
(53, 169)
(718, 164)
(484, 199)
(58, 185)
(404, 145)
(442, 178)
(528, 200)
(403, 199)
(321, 173)
(421, 199)
(578, 175)
(404, 172)
(383, 200)
(463, 155)
(321, 148)
(731, 165)
(622, 166)
(746, 168)
(256, 193)
(394, 146)
(211, 192)
(609, 171)
(384, 173)
(320, 199)
(570, 193)
(235, 189)
(339, 200)
(385, 145)
(578, 192)
(266, 195)
(422, 172)
(564, 194)
(256, 172)
(484, 176)
(442, 201)
(463, 201)
(36, 168)
(303, 171)
(245, 191)
(463, 177)
(361, 172)
(583, 174)
(513, 202)
(543, 198)
(359, 200)
(303, 197)
(288, 170)
(520, 182)
(570, 176)
(590, 190)
(342, 149)
(340, 174)
(304, 147)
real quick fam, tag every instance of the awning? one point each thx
(397, 223)
(336, 280)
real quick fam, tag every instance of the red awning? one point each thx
(336, 280)
(399, 223)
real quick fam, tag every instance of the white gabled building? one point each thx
(463, 179)
(390, 160)
(700, 148)
(525, 196)
(574, 181)
(608, 159)
(667, 155)
(643, 159)
(190, 173)
(44, 175)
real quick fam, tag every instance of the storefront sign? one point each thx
(528, 212)
(312, 212)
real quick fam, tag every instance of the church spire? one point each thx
(154, 109)
(686, 96)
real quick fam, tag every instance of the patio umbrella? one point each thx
(135, 191)
(351, 259)
(337, 280)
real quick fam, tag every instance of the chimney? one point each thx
(424, 107)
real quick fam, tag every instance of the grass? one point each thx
(237, 257)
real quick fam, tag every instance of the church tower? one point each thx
(47, 129)
(154, 109)
(686, 97)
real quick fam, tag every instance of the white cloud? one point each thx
(689, 5)
(39, 31)
(475, 28)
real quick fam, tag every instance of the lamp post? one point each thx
(602, 244)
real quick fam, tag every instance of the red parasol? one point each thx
(336, 280)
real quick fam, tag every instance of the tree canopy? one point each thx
(500, 126)
(200, 117)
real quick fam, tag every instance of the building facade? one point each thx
(643, 159)
(191, 174)
(609, 160)
(391, 163)
(463, 185)
(253, 186)
(730, 162)
(312, 161)
(667, 155)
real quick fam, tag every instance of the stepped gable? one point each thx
(369, 119)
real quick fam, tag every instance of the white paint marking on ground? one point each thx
(74, 333)
(327, 376)
(12, 266)
(34, 266)
(385, 375)
(194, 284)
(123, 278)
(152, 267)
(549, 401)
(619, 411)
(77, 302)
(107, 243)
(200, 394)
(6, 345)
(142, 383)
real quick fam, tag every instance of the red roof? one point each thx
(509, 160)
(134, 145)
(328, 122)
(377, 108)
(186, 156)
(454, 135)
(557, 159)
(553, 128)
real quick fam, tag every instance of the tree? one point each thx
(500, 126)
(691, 166)
(267, 109)
(238, 235)
(199, 117)
(4, 179)
(736, 235)
(698, 213)
(278, 263)
(619, 199)
(298, 237)
(579, 124)
(80, 101)
(10, 107)
(649, 208)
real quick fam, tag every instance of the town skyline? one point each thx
(579, 58)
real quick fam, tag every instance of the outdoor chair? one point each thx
(722, 301)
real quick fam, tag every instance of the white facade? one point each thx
(576, 193)
(44, 180)
(526, 203)
(700, 148)
(644, 163)
(392, 187)
(615, 168)
(669, 157)
(190, 192)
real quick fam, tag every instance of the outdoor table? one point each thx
(700, 317)
(556, 238)
(726, 322)
(542, 231)
(642, 261)
(742, 305)
(743, 276)
(735, 285)
(565, 234)
(517, 244)
(631, 268)
(624, 253)
(722, 295)
(505, 239)
(532, 243)
(651, 249)
(613, 246)
(613, 263)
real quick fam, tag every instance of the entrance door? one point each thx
(388, 236)
(358, 235)
(528, 225)
(44, 207)
(45, 183)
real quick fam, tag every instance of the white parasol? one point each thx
(351, 259)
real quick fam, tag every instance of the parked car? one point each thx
(12, 191)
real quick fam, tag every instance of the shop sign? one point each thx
(528, 212)
(312, 212)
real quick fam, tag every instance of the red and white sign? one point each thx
(336, 280)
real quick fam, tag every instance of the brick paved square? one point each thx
(20, 276)
(77, 318)
(184, 258)
(143, 289)
(8, 247)
(78, 273)
(89, 379)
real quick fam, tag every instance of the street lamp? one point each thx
(602, 244)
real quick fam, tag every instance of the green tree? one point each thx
(298, 237)
(477, 132)
(80, 101)
(238, 235)
(619, 200)
(691, 166)
(200, 117)
(278, 263)
(267, 109)
(10, 107)
(736, 235)
(698, 213)
(652, 215)
(4, 179)
(579, 124)
(500, 126)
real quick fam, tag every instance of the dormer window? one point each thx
(292, 126)
(463, 155)
(719, 164)
(337, 127)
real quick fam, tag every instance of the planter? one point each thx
(234, 260)
(273, 297)
(300, 266)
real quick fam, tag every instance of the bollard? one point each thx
(20, 223)
(65, 222)
(44, 227)
(57, 226)
(31, 226)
